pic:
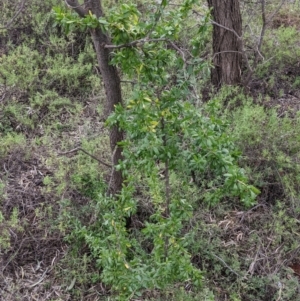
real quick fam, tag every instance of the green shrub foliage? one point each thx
(189, 223)
(168, 139)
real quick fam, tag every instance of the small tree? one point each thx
(166, 134)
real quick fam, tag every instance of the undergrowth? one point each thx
(55, 213)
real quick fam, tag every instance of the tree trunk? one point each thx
(227, 46)
(111, 82)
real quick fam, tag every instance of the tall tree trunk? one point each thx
(227, 46)
(111, 82)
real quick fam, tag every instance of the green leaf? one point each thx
(254, 189)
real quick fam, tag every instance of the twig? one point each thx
(13, 255)
(4, 167)
(228, 29)
(220, 25)
(178, 49)
(276, 11)
(157, 15)
(232, 51)
(145, 40)
(40, 280)
(15, 16)
(265, 22)
(263, 29)
(112, 169)
(136, 42)
(251, 267)
(234, 272)
(3, 96)
(129, 82)
(84, 151)
(280, 285)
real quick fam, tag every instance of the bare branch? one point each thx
(217, 53)
(84, 151)
(178, 49)
(135, 43)
(145, 40)
(220, 25)
(229, 29)
(8, 24)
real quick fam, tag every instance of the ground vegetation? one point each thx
(207, 202)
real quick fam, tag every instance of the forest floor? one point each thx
(34, 265)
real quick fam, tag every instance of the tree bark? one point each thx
(111, 82)
(227, 44)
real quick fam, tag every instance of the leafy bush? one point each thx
(270, 146)
(165, 132)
